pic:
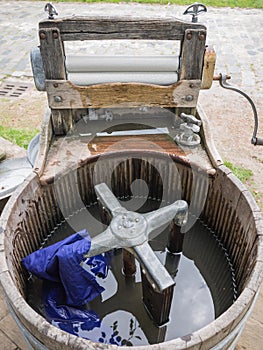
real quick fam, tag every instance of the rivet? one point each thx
(57, 98)
(201, 37)
(189, 36)
(55, 35)
(42, 35)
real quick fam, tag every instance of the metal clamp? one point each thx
(195, 10)
(256, 141)
(51, 10)
(131, 230)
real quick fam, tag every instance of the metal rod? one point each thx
(255, 141)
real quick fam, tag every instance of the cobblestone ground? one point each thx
(237, 37)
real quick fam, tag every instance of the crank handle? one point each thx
(256, 141)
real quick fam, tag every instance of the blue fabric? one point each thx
(60, 262)
(78, 321)
(69, 282)
(63, 316)
(44, 262)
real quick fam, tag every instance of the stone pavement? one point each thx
(236, 35)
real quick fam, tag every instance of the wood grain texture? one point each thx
(193, 49)
(52, 52)
(121, 94)
(96, 28)
(208, 68)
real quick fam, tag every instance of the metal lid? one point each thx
(12, 173)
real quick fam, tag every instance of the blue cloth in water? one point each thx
(78, 321)
(67, 318)
(60, 262)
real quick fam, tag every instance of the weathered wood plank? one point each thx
(65, 95)
(208, 68)
(91, 28)
(52, 51)
(193, 49)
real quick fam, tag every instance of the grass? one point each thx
(243, 174)
(20, 137)
(214, 3)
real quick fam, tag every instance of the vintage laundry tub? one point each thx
(143, 140)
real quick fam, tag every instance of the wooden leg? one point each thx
(129, 266)
(157, 304)
(175, 239)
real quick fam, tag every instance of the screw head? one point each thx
(57, 98)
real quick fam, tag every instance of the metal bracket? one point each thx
(256, 141)
(131, 230)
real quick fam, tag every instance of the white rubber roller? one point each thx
(91, 78)
(152, 63)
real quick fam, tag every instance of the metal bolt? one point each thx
(201, 37)
(189, 36)
(57, 98)
(42, 35)
(189, 98)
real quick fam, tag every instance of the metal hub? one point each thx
(130, 228)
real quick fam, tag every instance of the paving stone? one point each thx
(11, 330)
(6, 343)
(3, 308)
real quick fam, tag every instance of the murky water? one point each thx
(204, 285)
